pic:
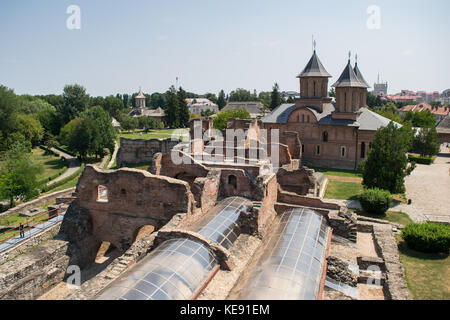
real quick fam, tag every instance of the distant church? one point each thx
(333, 134)
(140, 109)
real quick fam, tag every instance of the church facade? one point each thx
(333, 134)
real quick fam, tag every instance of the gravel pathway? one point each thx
(74, 165)
(429, 189)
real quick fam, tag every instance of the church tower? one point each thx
(351, 93)
(140, 100)
(313, 85)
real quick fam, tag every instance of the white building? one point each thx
(198, 105)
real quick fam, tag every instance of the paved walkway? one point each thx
(74, 165)
(30, 233)
(429, 189)
(113, 157)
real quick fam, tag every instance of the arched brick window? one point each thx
(102, 194)
(363, 150)
(232, 181)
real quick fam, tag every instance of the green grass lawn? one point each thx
(427, 275)
(338, 172)
(396, 217)
(154, 134)
(52, 165)
(343, 190)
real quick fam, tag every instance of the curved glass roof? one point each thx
(291, 267)
(178, 268)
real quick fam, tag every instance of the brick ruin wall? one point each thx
(142, 151)
(134, 199)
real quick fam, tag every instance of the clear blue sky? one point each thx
(212, 45)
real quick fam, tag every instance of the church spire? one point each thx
(314, 68)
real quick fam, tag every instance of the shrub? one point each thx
(429, 237)
(375, 201)
(421, 160)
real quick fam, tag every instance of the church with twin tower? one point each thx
(335, 134)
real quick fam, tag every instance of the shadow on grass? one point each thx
(404, 249)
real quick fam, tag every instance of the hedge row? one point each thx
(47, 188)
(429, 237)
(421, 160)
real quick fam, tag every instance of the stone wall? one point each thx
(32, 274)
(113, 205)
(30, 243)
(298, 180)
(142, 151)
(37, 202)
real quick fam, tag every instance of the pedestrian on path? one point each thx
(22, 233)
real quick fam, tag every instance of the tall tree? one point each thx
(81, 136)
(240, 95)
(220, 121)
(183, 110)
(105, 129)
(18, 174)
(275, 97)
(387, 165)
(172, 114)
(113, 106)
(426, 142)
(9, 104)
(75, 101)
(221, 102)
(30, 128)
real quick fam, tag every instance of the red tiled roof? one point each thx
(442, 111)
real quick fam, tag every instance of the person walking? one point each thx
(22, 233)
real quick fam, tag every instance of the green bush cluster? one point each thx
(421, 160)
(375, 201)
(429, 237)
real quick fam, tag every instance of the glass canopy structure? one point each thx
(291, 268)
(178, 268)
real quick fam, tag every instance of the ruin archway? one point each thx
(143, 231)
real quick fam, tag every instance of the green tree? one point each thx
(332, 93)
(113, 106)
(183, 110)
(240, 95)
(81, 136)
(220, 121)
(426, 142)
(105, 130)
(275, 100)
(422, 119)
(50, 121)
(265, 98)
(75, 101)
(30, 128)
(373, 101)
(172, 114)
(390, 111)
(18, 175)
(127, 122)
(211, 97)
(158, 100)
(9, 104)
(387, 164)
(221, 102)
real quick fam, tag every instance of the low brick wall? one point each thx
(37, 202)
(28, 244)
(32, 274)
